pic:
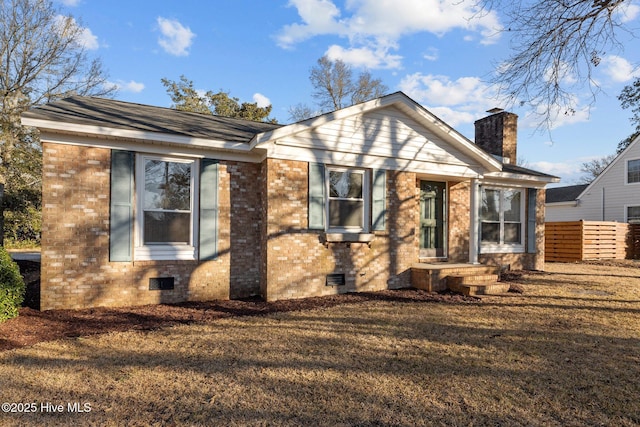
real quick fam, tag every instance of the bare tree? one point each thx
(556, 46)
(335, 88)
(42, 58)
(301, 112)
(630, 98)
(594, 168)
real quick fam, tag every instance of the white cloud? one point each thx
(130, 86)
(628, 11)
(175, 39)
(374, 26)
(619, 69)
(558, 115)
(568, 170)
(466, 99)
(88, 39)
(455, 101)
(70, 3)
(318, 17)
(261, 100)
(431, 54)
(452, 117)
(435, 89)
(85, 37)
(364, 57)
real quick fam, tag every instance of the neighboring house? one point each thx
(145, 205)
(613, 196)
(561, 201)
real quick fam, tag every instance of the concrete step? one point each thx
(433, 277)
(495, 288)
(471, 279)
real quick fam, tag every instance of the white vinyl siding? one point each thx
(556, 212)
(606, 198)
(386, 139)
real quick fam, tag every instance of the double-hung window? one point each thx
(633, 214)
(348, 199)
(166, 203)
(633, 171)
(502, 219)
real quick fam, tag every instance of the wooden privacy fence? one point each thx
(634, 241)
(584, 240)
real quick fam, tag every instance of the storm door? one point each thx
(433, 220)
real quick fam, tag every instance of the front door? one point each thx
(433, 223)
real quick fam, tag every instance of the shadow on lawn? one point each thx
(316, 369)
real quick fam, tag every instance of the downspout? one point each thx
(473, 222)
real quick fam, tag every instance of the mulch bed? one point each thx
(33, 326)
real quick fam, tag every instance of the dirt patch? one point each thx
(33, 326)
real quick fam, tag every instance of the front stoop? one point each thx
(479, 284)
(467, 279)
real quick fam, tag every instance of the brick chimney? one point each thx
(497, 134)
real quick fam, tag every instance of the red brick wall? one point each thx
(245, 200)
(459, 221)
(76, 271)
(277, 258)
(297, 261)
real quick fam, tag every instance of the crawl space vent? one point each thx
(161, 283)
(335, 279)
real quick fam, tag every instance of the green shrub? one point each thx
(12, 286)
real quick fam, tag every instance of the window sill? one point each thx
(165, 253)
(348, 237)
(502, 249)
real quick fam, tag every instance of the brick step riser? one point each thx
(488, 289)
(477, 279)
(468, 271)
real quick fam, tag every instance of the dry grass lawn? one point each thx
(565, 352)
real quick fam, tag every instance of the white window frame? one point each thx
(502, 247)
(168, 251)
(626, 172)
(366, 198)
(626, 213)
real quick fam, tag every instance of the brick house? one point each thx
(145, 205)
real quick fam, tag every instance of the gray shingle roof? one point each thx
(125, 115)
(564, 194)
(507, 167)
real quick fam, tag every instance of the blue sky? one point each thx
(263, 50)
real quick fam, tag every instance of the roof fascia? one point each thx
(152, 147)
(109, 132)
(517, 178)
(570, 203)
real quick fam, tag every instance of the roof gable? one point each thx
(614, 164)
(391, 126)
